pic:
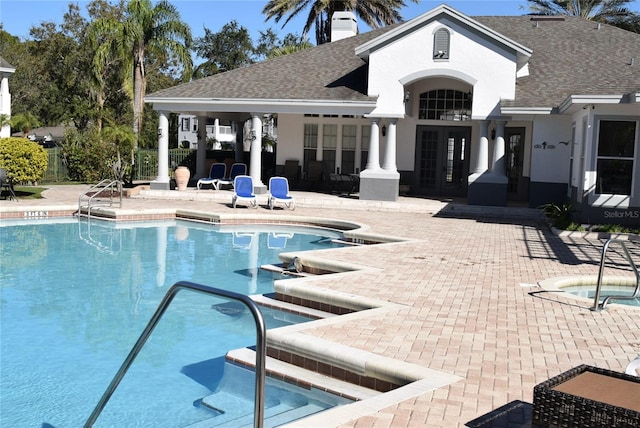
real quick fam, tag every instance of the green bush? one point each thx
(86, 157)
(23, 159)
(560, 215)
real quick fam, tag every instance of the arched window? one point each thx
(445, 104)
(441, 44)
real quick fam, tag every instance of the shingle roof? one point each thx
(5, 64)
(570, 57)
(326, 72)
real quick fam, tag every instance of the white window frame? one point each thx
(608, 199)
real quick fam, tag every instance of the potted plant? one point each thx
(268, 143)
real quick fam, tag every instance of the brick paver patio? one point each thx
(470, 303)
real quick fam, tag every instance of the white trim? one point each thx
(437, 72)
(7, 70)
(365, 49)
(248, 105)
(590, 99)
(525, 110)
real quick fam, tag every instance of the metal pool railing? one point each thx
(261, 346)
(597, 306)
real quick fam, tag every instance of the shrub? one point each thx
(560, 215)
(23, 159)
(86, 157)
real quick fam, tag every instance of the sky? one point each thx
(18, 16)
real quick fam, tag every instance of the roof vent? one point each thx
(343, 25)
(542, 18)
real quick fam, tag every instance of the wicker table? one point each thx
(588, 397)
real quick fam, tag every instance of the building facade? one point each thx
(6, 70)
(497, 110)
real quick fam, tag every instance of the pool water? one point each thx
(589, 292)
(75, 295)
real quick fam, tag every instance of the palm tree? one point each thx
(374, 13)
(25, 122)
(289, 48)
(122, 138)
(146, 29)
(611, 12)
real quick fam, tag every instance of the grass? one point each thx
(29, 192)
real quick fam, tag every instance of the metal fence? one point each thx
(56, 169)
(146, 159)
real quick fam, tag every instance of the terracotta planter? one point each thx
(182, 177)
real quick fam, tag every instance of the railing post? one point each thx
(261, 347)
(596, 301)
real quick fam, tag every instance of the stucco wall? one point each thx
(481, 63)
(549, 157)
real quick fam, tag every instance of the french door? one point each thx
(442, 160)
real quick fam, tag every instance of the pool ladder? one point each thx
(597, 306)
(102, 193)
(261, 346)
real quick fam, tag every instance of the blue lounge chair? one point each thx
(243, 191)
(236, 170)
(279, 193)
(218, 172)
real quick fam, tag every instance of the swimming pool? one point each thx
(585, 287)
(76, 295)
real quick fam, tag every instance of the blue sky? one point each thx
(18, 16)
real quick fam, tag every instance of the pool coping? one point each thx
(413, 379)
(556, 284)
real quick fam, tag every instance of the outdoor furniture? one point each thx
(243, 191)
(279, 193)
(236, 170)
(6, 185)
(217, 172)
(586, 397)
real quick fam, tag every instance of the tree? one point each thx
(232, 47)
(122, 138)
(147, 29)
(24, 160)
(106, 63)
(374, 13)
(156, 28)
(24, 122)
(227, 49)
(290, 45)
(613, 12)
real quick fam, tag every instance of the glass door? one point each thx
(517, 186)
(442, 160)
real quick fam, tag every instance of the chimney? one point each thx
(343, 25)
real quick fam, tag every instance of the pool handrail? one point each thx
(261, 346)
(95, 192)
(597, 306)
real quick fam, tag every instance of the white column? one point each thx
(373, 160)
(497, 165)
(255, 169)
(163, 148)
(201, 153)
(390, 151)
(482, 158)
(5, 105)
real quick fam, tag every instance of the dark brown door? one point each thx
(518, 185)
(442, 160)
